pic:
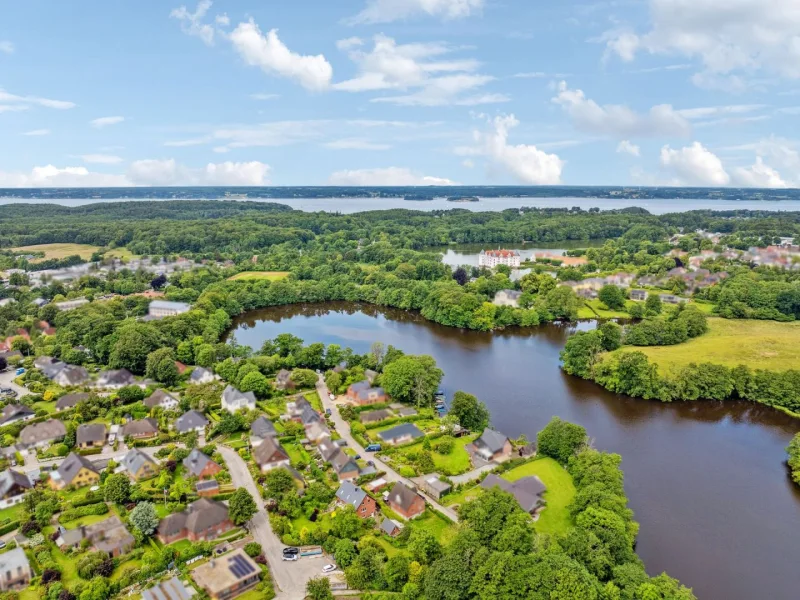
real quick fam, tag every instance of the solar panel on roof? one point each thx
(239, 566)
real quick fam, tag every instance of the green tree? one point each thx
(423, 546)
(319, 588)
(278, 482)
(346, 523)
(161, 366)
(652, 305)
(241, 506)
(396, 572)
(610, 335)
(562, 303)
(345, 553)
(117, 488)
(612, 296)
(253, 549)
(470, 413)
(143, 517)
(134, 341)
(304, 378)
(258, 384)
(412, 379)
(560, 439)
(580, 353)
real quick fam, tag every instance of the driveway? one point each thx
(290, 577)
(343, 429)
(7, 381)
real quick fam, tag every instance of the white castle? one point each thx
(492, 258)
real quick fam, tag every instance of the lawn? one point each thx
(85, 251)
(297, 454)
(11, 513)
(602, 311)
(251, 275)
(555, 517)
(731, 342)
(121, 253)
(455, 463)
(443, 529)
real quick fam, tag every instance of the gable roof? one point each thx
(283, 376)
(199, 516)
(199, 373)
(135, 460)
(401, 430)
(388, 526)
(262, 428)
(72, 465)
(10, 478)
(402, 495)
(351, 494)
(230, 395)
(527, 490)
(196, 462)
(140, 426)
(269, 451)
(70, 400)
(71, 375)
(491, 440)
(13, 412)
(190, 420)
(90, 432)
(159, 398)
(172, 589)
(115, 377)
(328, 449)
(52, 429)
(343, 463)
(373, 416)
(14, 559)
(363, 389)
(110, 535)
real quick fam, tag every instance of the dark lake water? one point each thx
(706, 480)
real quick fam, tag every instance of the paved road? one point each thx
(7, 381)
(472, 475)
(290, 577)
(343, 429)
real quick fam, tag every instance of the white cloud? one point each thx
(6, 47)
(385, 11)
(356, 144)
(169, 172)
(192, 22)
(102, 159)
(387, 176)
(540, 75)
(272, 56)
(105, 122)
(618, 120)
(726, 36)
(694, 165)
(719, 111)
(190, 142)
(759, 175)
(526, 163)
(264, 96)
(417, 69)
(50, 176)
(222, 20)
(37, 132)
(13, 103)
(626, 147)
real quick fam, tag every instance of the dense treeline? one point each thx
(794, 458)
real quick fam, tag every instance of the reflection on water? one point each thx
(706, 479)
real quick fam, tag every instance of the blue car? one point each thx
(20, 371)
(373, 448)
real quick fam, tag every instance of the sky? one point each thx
(400, 92)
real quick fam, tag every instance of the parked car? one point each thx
(370, 463)
(332, 397)
(328, 568)
(2, 544)
(373, 448)
(328, 412)
(357, 457)
(290, 557)
(291, 550)
(19, 372)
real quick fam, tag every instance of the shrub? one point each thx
(252, 549)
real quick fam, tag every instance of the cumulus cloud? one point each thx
(51, 176)
(526, 163)
(6, 47)
(420, 70)
(387, 176)
(725, 36)
(626, 147)
(618, 120)
(13, 102)
(759, 175)
(192, 22)
(386, 11)
(694, 165)
(264, 96)
(105, 122)
(272, 56)
(37, 132)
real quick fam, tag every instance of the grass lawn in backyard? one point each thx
(131, 565)
(465, 495)
(11, 513)
(313, 400)
(89, 519)
(443, 529)
(602, 311)
(455, 463)
(731, 342)
(180, 545)
(68, 564)
(85, 251)
(323, 522)
(555, 517)
(50, 407)
(251, 275)
(297, 454)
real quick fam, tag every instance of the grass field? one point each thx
(85, 251)
(121, 253)
(555, 517)
(732, 342)
(269, 275)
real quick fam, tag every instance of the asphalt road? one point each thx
(7, 381)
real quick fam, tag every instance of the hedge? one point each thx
(9, 527)
(89, 451)
(84, 511)
(86, 501)
(393, 420)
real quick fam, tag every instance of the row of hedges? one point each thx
(393, 420)
(9, 527)
(89, 451)
(87, 500)
(84, 511)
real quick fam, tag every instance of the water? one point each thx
(706, 480)
(353, 205)
(457, 255)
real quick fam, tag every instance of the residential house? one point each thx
(349, 493)
(400, 434)
(200, 465)
(490, 446)
(200, 375)
(109, 536)
(71, 376)
(261, 429)
(71, 304)
(163, 399)
(207, 488)
(375, 416)
(407, 411)
(159, 309)
(405, 501)
(12, 413)
(363, 394)
(13, 486)
(70, 400)
(115, 379)
(638, 295)
(527, 491)
(507, 298)
(202, 520)
(345, 466)
(670, 298)
(171, 589)
(233, 400)
(140, 429)
(227, 576)
(42, 435)
(91, 435)
(370, 375)
(317, 432)
(191, 420)
(390, 527)
(75, 470)
(139, 465)
(434, 486)
(15, 570)
(283, 380)
(49, 366)
(328, 449)
(46, 328)
(269, 454)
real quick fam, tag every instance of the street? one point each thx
(7, 381)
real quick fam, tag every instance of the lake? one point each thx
(457, 255)
(707, 480)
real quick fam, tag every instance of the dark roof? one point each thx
(74, 375)
(401, 430)
(116, 377)
(90, 432)
(199, 516)
(269, 451)
(363, 389)
(206, 485)
(199, 373)
(388, 526)
(342, 463)
(140, 426)
(70, 400)
(328, 449)
(72, 466)
(196, 462)
(52, 429)
(262, 428)
(527, 491)
(190, 420)
(283, 376)
(172, 589)
(351, 494)
(135, 459)
(402, 495)
(158, 398)
(9, 478)
(373, 416)
(491, 440)
(14, 412)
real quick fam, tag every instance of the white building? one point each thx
(492, 258)
(507, 298)
(159, 309)
(71, 304)
(233, 400)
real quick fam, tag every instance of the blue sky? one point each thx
(372, 92)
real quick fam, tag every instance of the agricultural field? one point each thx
(268, 275)
(731, 342)
(85, 251)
